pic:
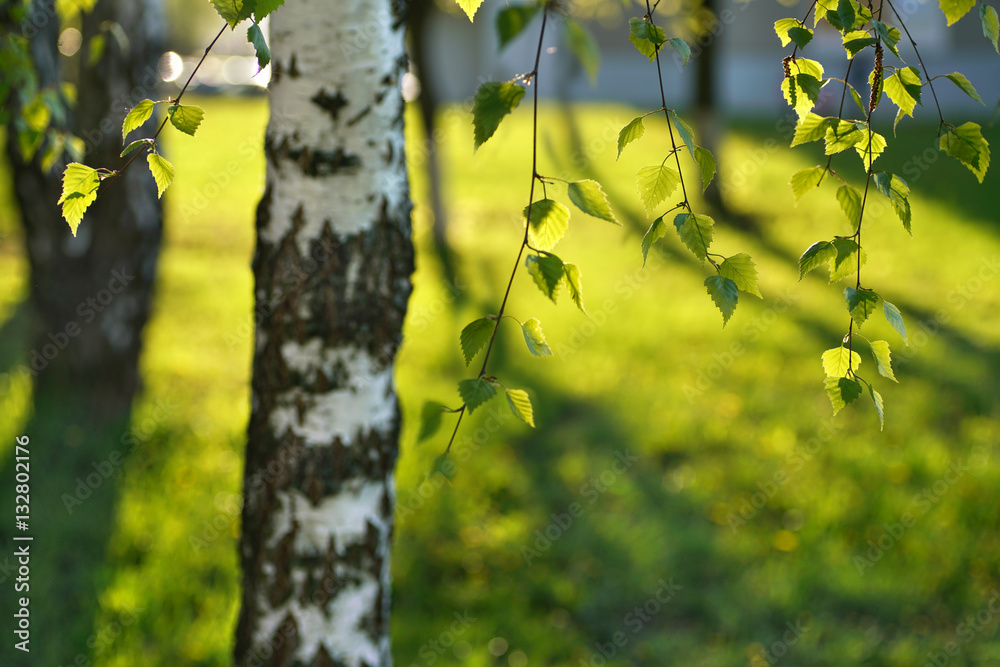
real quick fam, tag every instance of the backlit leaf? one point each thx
(493, 101)
(724, 293)
(520, 405)
(474, 337)
(548, 222)
(588, 196)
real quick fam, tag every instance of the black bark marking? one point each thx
(331, 104)
(361, 114)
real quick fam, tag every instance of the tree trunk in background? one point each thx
(90, 299)
(419, 16)
(705, 99)
(332, 270)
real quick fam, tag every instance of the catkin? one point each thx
(876, 80)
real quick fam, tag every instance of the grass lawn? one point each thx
(686, 498)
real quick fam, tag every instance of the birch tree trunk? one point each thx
(332, 269)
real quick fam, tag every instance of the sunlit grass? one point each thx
(714, 415)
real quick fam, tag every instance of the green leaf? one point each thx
(792, 30)
(837, 361)
(135, 145)
(474, 337)
(890, 36)
(646, 37)
(573, 285)
(857, 100)
(857, 40)
(548, 222)
(441, 466)
(894, 318)
(877, 146)
(696, 232)
(959, 80)
(725, 295)
(801, 91)
(547, 271)
(882, 354)
(897, 191)
(470, 6)
(842, 391)
(956, 9)
(185, 118)
(655, 233)
(493, 101)
(904, 89)
(812, 128)
(967, 145)
(682, 48)
(805, 180)
(852, 15)
(475, 392)
(163, 172)
(850, 203)
(801, 36)
(818, 254)
(846, 261)
(535, 339)
(430, 419)
(656, 184)
(879, 406)
(588, 196)
(843, 134)
(860, 303)
(256, 37)
(583, 44)
(264, 8)
(741, 270)
(706, 161)
(80, 184)
(511, 22)
(520, 405)
(991, 26)
(781, 28)
(630, 133)
(683, 129)
(823, 7)
(233, 11)
(139, 114)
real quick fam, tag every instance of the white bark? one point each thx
(332, 265)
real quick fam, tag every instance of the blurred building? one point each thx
(749, 56)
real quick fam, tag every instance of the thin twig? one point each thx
(533, 77)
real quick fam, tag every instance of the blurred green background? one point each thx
(686, 493)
